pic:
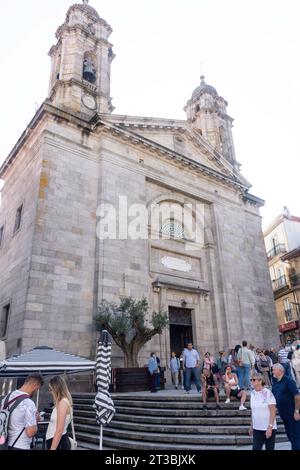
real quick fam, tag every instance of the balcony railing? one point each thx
(279, 283)
(295, 280)
(276, 250)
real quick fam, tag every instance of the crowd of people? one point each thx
(269, 377)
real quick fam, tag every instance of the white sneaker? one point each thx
(227, 400)
(242, 408)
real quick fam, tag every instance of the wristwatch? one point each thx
(270, 425)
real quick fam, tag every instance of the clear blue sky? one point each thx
(249, 51)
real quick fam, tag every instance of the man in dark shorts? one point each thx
(209, 387)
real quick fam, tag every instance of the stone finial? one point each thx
(202, 78)
(85, 2)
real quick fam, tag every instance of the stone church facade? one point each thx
(73, 161)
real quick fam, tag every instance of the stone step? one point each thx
(175, 412)
(215, 420)
(147, 396)
(84, 423)
(121, 444)
(179, 438)
(166, 422)
(136, 444)
(186, 404)
(218, 420)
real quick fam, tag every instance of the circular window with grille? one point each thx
(172, 229)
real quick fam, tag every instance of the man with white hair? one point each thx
(288, 404)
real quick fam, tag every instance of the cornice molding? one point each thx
(171, 154)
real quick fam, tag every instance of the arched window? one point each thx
(89, 71)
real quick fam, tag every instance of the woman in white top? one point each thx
(56, 436)
(263, 406)
(232, 389)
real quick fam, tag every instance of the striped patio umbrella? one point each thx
(103, 405)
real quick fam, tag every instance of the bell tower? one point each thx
(81, 62)
(206, 112)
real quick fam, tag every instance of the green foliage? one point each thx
(127, 323)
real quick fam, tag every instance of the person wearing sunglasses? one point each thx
(263, 414)
(232, 388)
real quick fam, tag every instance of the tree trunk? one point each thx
(130, 362)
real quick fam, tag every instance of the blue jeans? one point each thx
(292, 429)
(244, 376)
(195, 371)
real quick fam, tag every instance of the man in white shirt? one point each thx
(191, 364)
(23, 419)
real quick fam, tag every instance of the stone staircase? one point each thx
(165, 422)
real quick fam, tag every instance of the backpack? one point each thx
(264, 363)
(5, 416)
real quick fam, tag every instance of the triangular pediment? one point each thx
(177, 137)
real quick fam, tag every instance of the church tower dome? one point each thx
(81, 62)
(207, 114)
(203, 88)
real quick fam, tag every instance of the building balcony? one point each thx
(295, 280)
(276, 250)
(280, 283)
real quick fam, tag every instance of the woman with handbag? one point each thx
(62, 415)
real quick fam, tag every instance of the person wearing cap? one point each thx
(287, 398)
(232, 389)
(263, 414)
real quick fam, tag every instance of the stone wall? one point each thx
(61, 281)
(22, 186)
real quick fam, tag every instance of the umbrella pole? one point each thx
(101, 437)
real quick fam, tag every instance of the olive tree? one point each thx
(126, 322)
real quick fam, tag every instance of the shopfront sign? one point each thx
(291, 325)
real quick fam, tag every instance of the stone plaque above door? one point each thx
(176, 263)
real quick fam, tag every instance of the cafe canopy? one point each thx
(47, 361)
